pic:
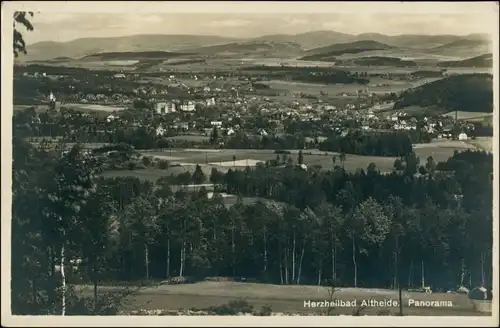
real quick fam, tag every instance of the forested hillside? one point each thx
(485, 60)
(467, 92)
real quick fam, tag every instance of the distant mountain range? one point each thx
(316, 39)
(79, 48)
(268, 44)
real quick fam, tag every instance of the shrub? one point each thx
(265, 310)
(163, 164)
(232, 308)
(146, 160)
(241, 306)
(222, 310)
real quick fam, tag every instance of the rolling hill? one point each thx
(485, 60)
(147, 42)
(315, 39)
(466, 92)
(328, 53)
(463, 47)
(250, 48)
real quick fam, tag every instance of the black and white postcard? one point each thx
(249, 163)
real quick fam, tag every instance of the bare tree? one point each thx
(330, 286)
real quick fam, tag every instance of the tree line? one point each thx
(375, 144)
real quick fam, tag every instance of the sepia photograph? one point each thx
(244, 163)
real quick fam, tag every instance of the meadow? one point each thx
(461, 115)
(377, 85)
(94, 107)
(186, 160)
(285, 298)
(483, 143)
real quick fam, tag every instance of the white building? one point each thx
(165, 107)
(160, 131)
(210, 101)
(188, 106)
(216, 123)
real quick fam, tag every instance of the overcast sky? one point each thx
(65, 26)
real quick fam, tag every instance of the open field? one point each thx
(285, 298)
(311, 158)
(376, 85)
(111, 63)
(94, 107)
(240, 163)
(461, 115)
(419, 110)
(439, 149)
(186, 160)
(483, 143)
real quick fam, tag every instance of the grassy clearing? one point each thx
(461, 115)
(332, 89)
(222, 160)
(440, 150)
(376, 85)
(311, 158)
(113, 63)
(286, 298)
(415, 109)
(94, 107)
(483, 143)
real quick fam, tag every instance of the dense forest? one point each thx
(375, 144)
(427, 74)
(378, 61)
(466, 92)
(308, 227)
(306, 74)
